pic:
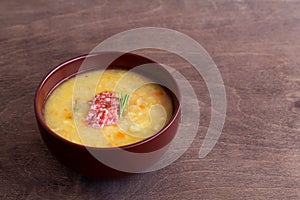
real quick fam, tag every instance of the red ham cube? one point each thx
(104, 110)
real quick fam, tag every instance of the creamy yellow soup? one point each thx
(147, 110)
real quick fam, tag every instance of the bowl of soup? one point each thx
(108, 114)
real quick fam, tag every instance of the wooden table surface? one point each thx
(256, 46)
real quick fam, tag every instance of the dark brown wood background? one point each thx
(255, 44)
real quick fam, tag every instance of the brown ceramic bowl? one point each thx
(81, 158)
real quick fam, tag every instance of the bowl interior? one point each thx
(107, 60)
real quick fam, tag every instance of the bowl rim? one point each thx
(41, 121)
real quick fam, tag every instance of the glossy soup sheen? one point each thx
(148, 109)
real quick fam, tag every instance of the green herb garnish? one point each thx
(123, 102)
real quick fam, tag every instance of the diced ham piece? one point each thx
(104, 110)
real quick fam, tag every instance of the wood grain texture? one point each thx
(256, 46)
